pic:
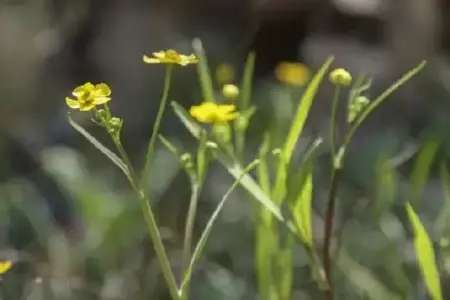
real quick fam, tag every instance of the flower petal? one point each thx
(227, 108)
(74, 104)
(78, 91)
(88, 86)
(150, 60)
(87, 107)
(104, 88)
(100, 100)
(159, 54)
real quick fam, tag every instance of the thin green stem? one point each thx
(145, 177)
(187, 245)
(333, 123)
(152, 227)
(329, 221)
(149, 217)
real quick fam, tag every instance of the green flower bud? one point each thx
(230, 91)
(115, 125)
(187, 161)
(355, 107)
(340, 77)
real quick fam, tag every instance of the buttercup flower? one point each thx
(5, 265)
(230, 91)
(292, 73)
(340, 77)
(88, 96)
(170, 57)
(209, 112)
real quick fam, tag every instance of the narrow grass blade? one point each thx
(421, 170)
(425, 254)
(108, 153)
(246, 85)
(295, 132)
(300, 195)
(204, 237)
(204, 74)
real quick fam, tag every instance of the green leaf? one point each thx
(421, 169)
(204, 237)
(247, 182)
(303, 110)
(295, 132)
(108, 153)
(301, 208)
(191, 125)
(300, 194)
(425, 254)
(246, 85)
(204, 74)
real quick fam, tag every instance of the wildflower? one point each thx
(88, 96)
(5, 265)
(224, 73)
(230, 91)
(340, 77)
(170, 57)
(209, 112)
(292, 73)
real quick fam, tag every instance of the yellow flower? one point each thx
(88, 96)
(340, 77)
(5, 265)
(170, 57)
(230, 91)
(292, 73)
(209, 112)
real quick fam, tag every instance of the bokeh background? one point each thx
(69, 219)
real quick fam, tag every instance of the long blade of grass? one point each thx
(108, 153)
(425, 254)
(204, 237)
(295, 132)
(422, 242)
(244, 103)
(246, 85)
(204, 74)
(421, 170)
(300, 195)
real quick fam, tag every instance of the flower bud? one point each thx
(230, 91)
(187, 160)
(340, 77)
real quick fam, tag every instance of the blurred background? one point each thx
(68, 217)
